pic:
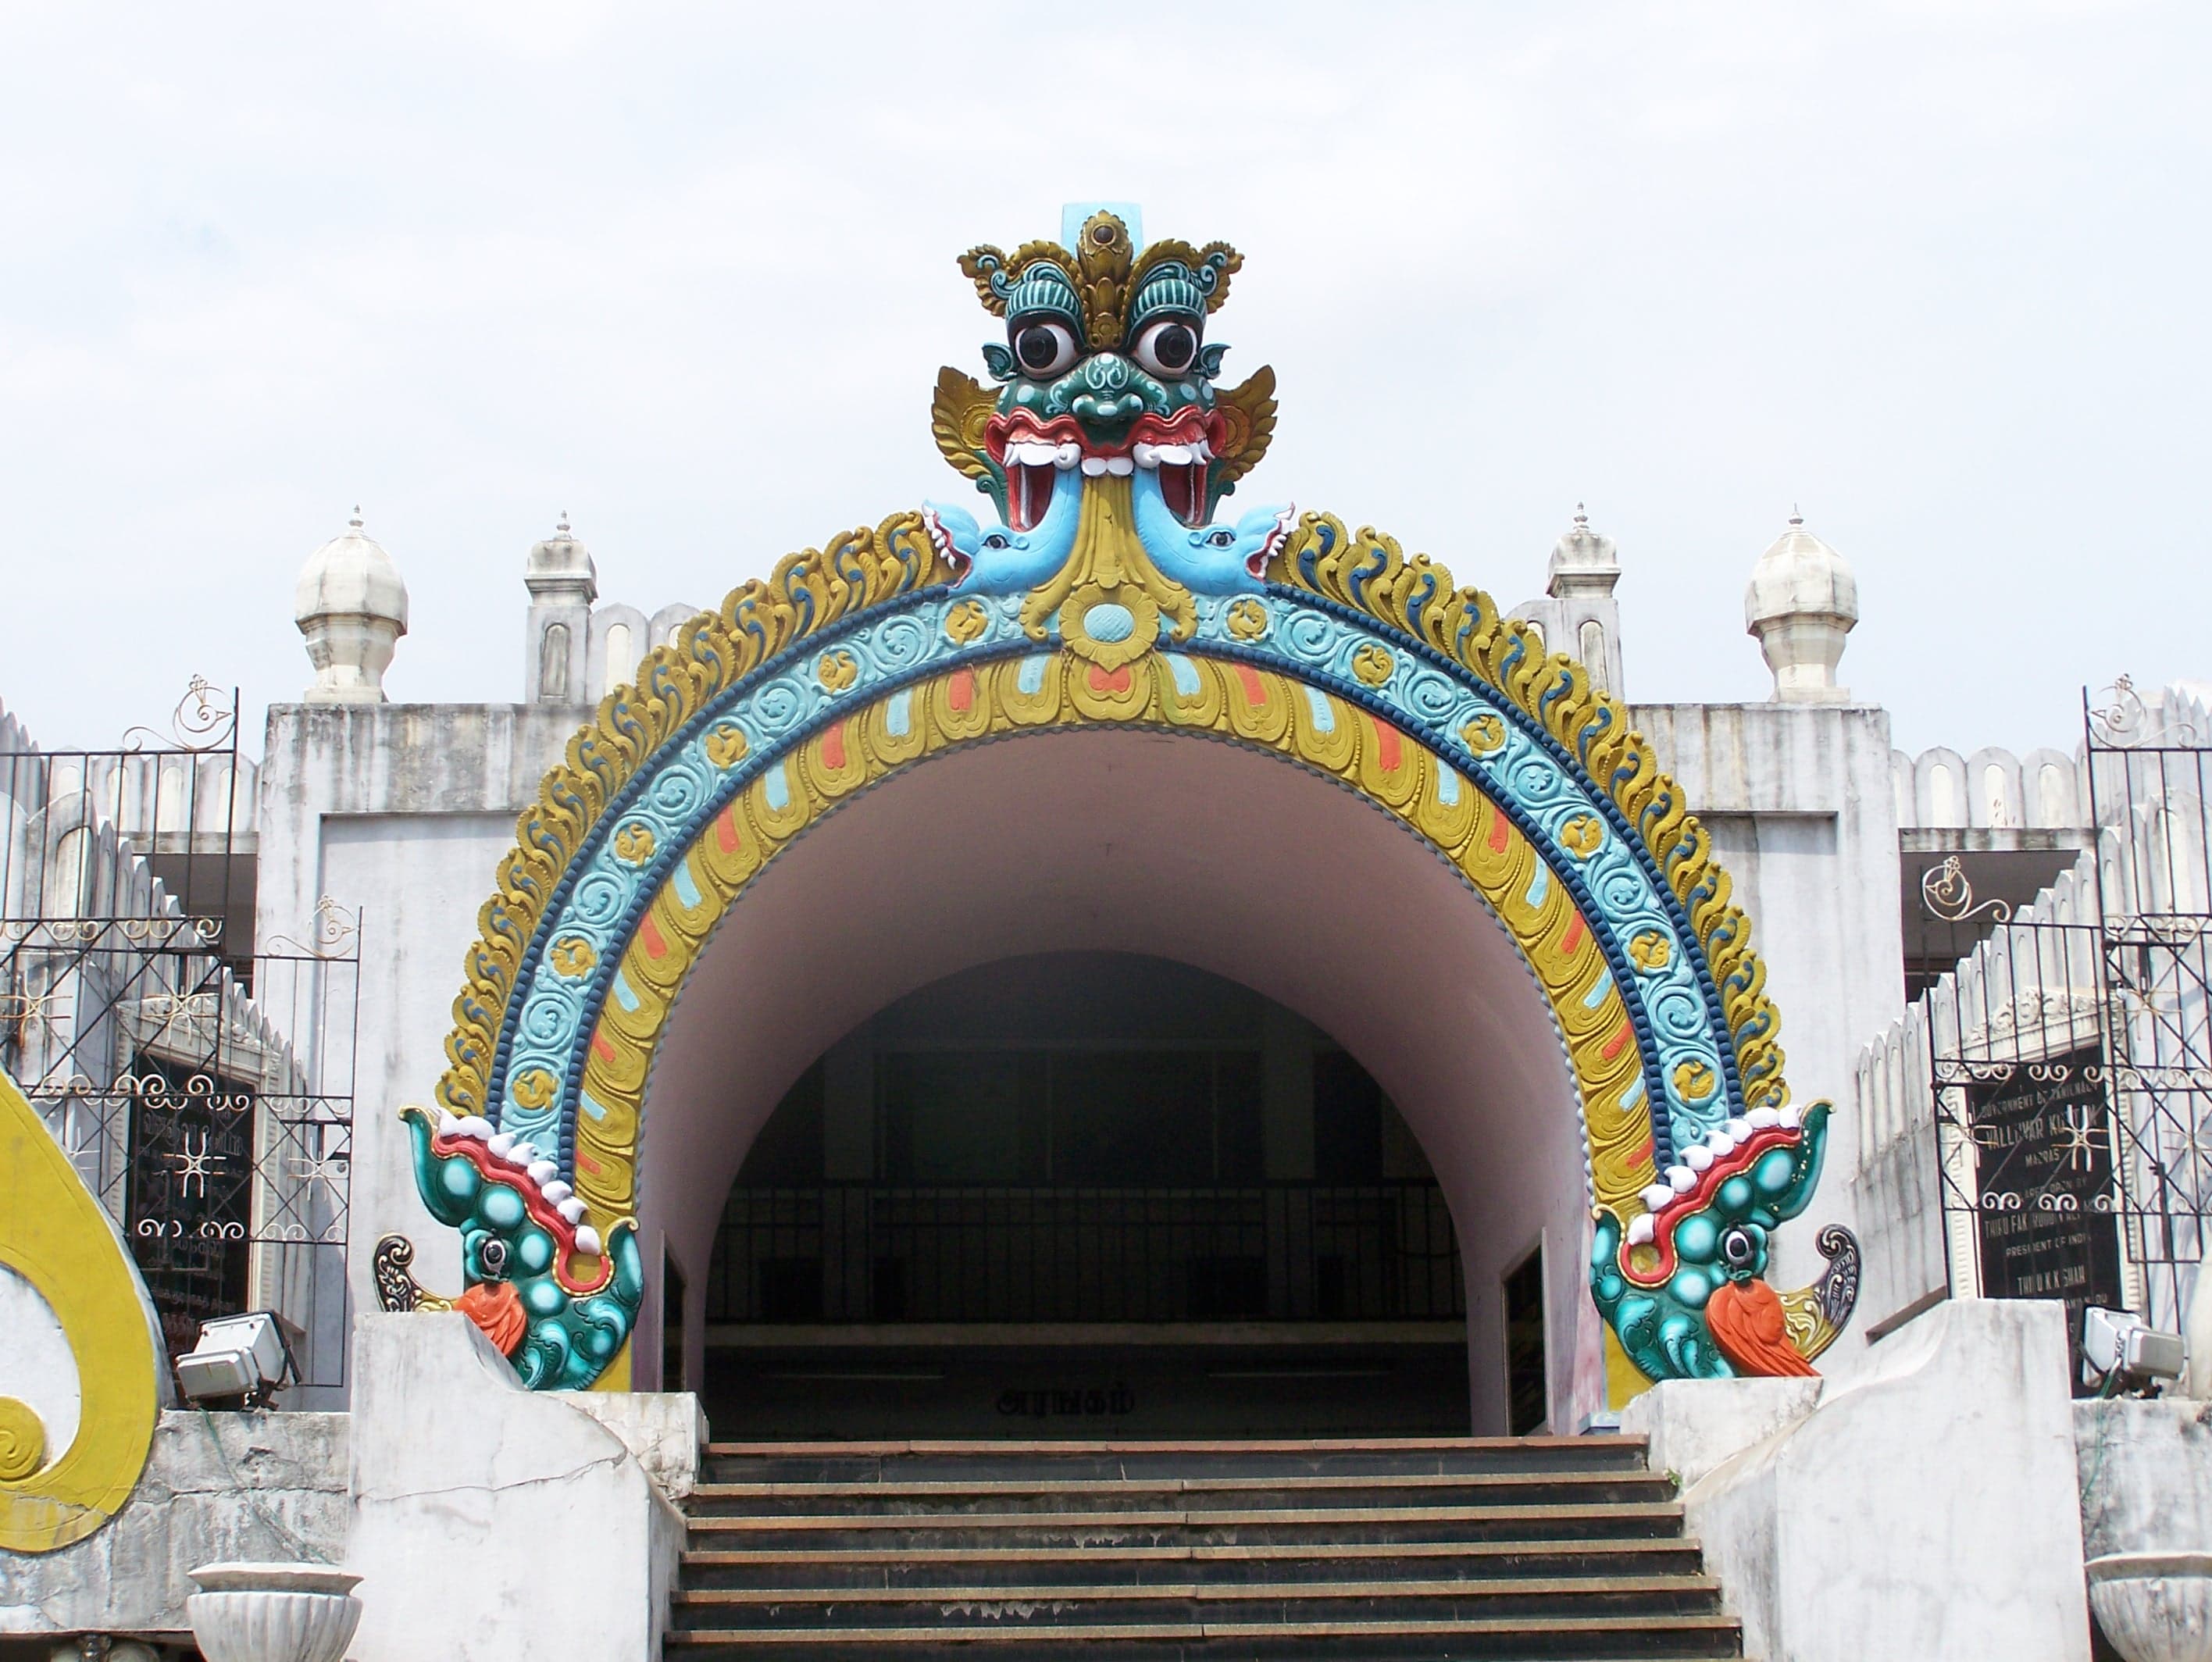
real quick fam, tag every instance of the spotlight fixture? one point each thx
(247, 1357)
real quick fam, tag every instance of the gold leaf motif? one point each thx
(1693, 1081)
(958, 413)
(835, 670)
(532, 1088)
(1248, 421)
(726, 744)
(966, 622)
(1248, 619)
(1650, 951)
(1372, 664)
(571, 956)
(1582, 834)
(633, 843)
(1485, 733)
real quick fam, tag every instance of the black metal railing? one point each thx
(866, 1253)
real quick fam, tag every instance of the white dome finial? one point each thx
(351, 607)
(1802, 600)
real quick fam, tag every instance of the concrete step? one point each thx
(1530, 1597)
(1585, 1639)
(729, 1462)
(983, 1568)
(1107, 1495)
(1176, 1527)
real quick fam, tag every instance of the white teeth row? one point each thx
(543, 1174)
(1035, 453)
(1152, 456)
(1120, 466)
(1680, 1180)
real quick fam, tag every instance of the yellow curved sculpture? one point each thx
(53, 1234)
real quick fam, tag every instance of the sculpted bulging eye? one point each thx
(1738, 1249)
(494, 1256)
(1168, 346)
(1042, 346)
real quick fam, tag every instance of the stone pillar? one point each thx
(563, 584)
(1586, 618)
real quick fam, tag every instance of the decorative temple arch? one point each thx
(1109, 599)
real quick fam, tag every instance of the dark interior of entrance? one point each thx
(1085, 1194)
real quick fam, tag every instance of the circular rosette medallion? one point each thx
(1110, 627)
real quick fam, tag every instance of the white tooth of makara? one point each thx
(1175, 455)
(1120, 466)
(542, 1172)
(1655, 1196)
(523, 1152)
(1201, 449)
(1721, 1143)
(1068, 456)
(556, 1191)
(1032, 452)
(500, 1143)
(1739, 1129)
(473, 1124)
(448, 1126)
(1094, 467)
(1793, 1116)
(1681, 1180)
(571, 1209)
(1641, 1229)
(1145, 456)
(1761, 1120)
(1696, 1156)
(588, 1241)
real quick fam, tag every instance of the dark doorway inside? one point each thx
(1085, 1195)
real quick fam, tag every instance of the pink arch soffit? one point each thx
(1210, 853)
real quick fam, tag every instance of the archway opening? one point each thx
(1086, 1193)
(1298, 894)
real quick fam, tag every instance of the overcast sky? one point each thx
(1934, 271)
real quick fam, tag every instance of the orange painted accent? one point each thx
(1254, 694)
(726, 828)
(1386, 744)
(960, 689)
(496, 1307)
(1745, 1319)
(656, 943)
(1646, 1153)
(833, 746)
(1625, 1032)
(601, 1047)
(1573, 937)
(589, 1164)
(1501, 832)
(1109, 681)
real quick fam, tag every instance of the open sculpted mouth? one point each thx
(1037, 455)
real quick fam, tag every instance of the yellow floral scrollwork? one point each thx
(1485, 734)
(572, 956)
(1583, 834)
(1369, 573)
(726, 744)
(836, 671)
(966, 622)
(1693, 1082)
(1372, 664)
(633, 843)
(1650, 951)
(1248, 619)
(532, 1088)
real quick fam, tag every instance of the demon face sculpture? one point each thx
(1107, 447)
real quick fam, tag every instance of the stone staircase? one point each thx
(1536, 1547)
